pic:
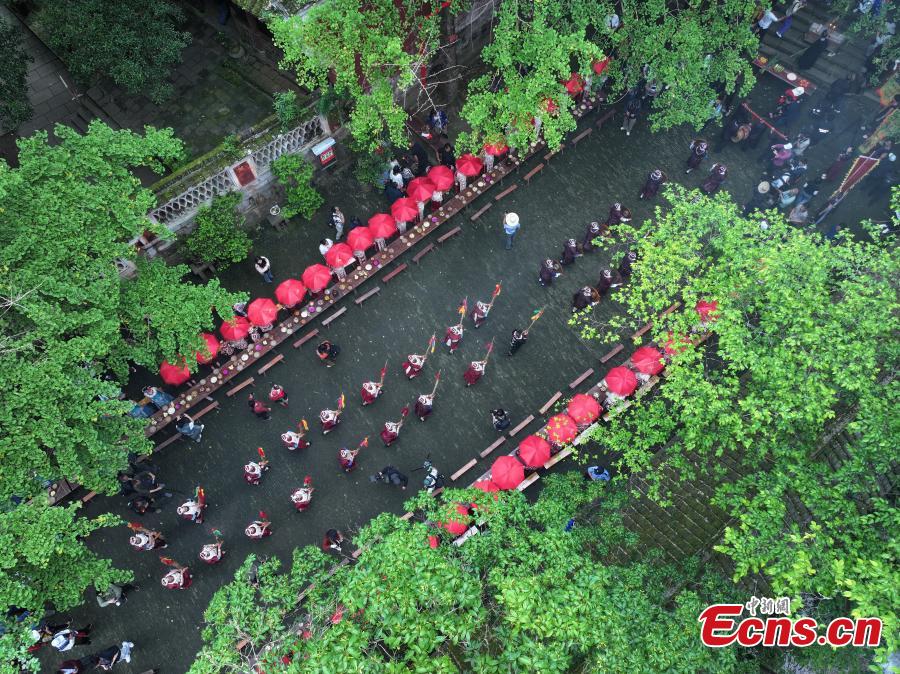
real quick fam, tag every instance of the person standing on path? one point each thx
(259, 408)
(655, 180)
(253, 470)
(334, 539)
(511, 226)
(569, 252)
(500, 420)
(632, 111)
(594, 230)
(192, 509)
(68, 638)
(519, 337)
(264, 269)
(328, 352)
(185, 425)
(699, 149)
(337, 221)
(549, 271)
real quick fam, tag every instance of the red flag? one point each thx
(463, 307)
(437, 377)
(365, 442)
(261, 452)
(431, 343)
(304, 424)
(134, 526)
(201, 496)
(263, 516)
(404, 412)
(496, 291)
(168, 561)
(341, 402)
(383, 372)
(490, 347)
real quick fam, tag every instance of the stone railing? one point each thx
(248, 175)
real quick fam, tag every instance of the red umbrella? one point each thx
(584, 409)
(575, 84)
(469, 165)
(419, 189)
(561, 429)
(600, 66)
(339, 255)
(507, 472)
(175, 375)
(290, 292)
(441, 177)
(496, 149)
(670, 347)
(621, 381)
(235, 329)
(454, 526)
(648, 360)
(262, 311)
(360, 239)
(382, 225)
(212, 345)
(708, 310)
(534, 451)
(316, 277)
(486, 486)
(404, 210)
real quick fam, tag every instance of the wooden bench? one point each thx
(605, 118)
(617, 409)
(644, 329)
(528, 481)
(584, 375)
(242, 644)
(422, 253)
(612, 353)
(508, 190)
(265, 368)
(243, 384)
(337, 314)
(559, 456)
(646, 388)
(305, 338)
(480, 212)
(547, 405)
(391, 274)
(552, 154)
(406, 517)
(449, 235)
(533, 172)
(87, 497)
(168, 441)
(671, 309)
(527, 420)
(362, 298)
(581, 136)
(466, 535)
(214, 405)
(464, 469)
(492, 447)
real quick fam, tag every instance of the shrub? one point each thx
(286, 110)
(295, 173)
(218, 238)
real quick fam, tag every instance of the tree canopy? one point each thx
(14, 105)
(511, 598)
(804, 333)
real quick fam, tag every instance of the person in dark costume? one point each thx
(390, 475)
(569, 252)
(584, 298)
(625, 266)
(500, 420)
(519, 337)
(838, 166)
(812, 53)
(549, 271)
(699, 150)
(424, 406)
(617, 214)
(655, 180)
(594, 230)
(717, 174)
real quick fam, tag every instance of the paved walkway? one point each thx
(576, 187)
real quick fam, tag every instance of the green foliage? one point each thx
(525, 595)
(135, 43)
(369, 168)
(285, 103)
(689, 52)
(805, 334)
(44, 561)
(219, 238)
(231, 146)
(295, 174)
(365, 48)
(535, 46)
(14, 105)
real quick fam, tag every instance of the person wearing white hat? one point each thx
(511, 225)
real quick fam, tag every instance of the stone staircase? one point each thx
(850, 57)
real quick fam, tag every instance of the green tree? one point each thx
(14, 105)
(691, 52)
(219, 238)
(535, 48)
(295, 173)
(134, 43)
(804, 334)
(370, 53)
(44, 561)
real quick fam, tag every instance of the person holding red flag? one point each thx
(391, 430)
(294, 440)
(477, 367)
(331, 418)
(372, 389)
(145, 539)
(414, 362)
(347, 457)
(192, 509)
(425, 402)
(178, 577)
(455, 332)
(302, 496)
(260, 528)
(482, 309)
(254, 470)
